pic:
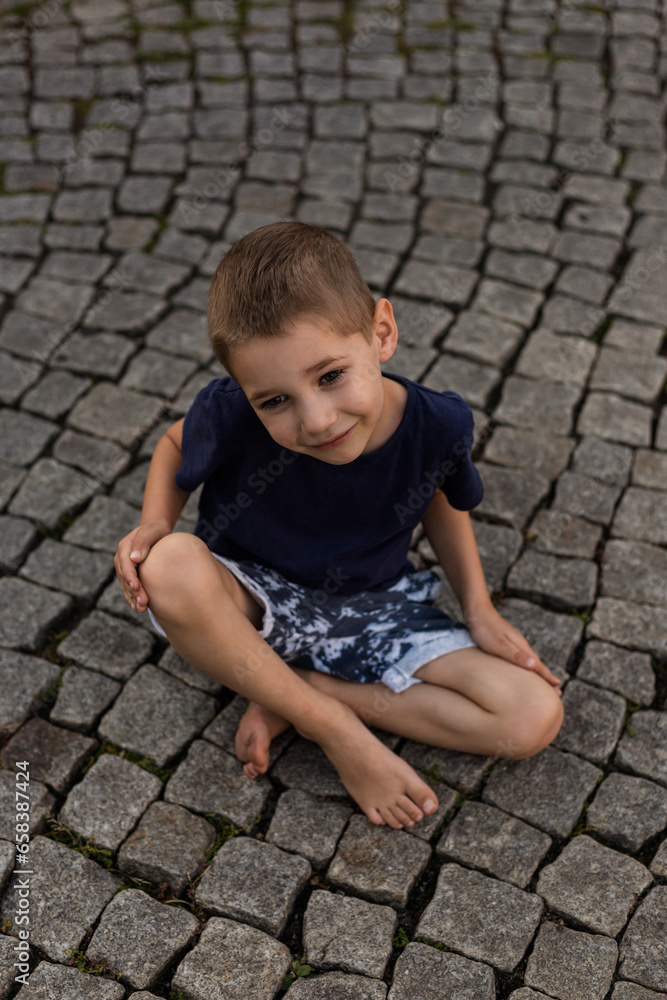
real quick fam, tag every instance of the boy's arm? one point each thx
(451, 536)
(163, 502)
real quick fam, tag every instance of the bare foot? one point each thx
(383, 784)
(258, 726)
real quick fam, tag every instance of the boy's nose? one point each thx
(318, 422)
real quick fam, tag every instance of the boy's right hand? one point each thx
(133, 549)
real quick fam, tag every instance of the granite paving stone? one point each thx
(643, 955)
(547, 790)
(535, 403)
(422, 970)
(625, 623)
(55, 394)
(641, 514)
(593, 721)
(23, 436)
(232, 961)
(637, 378)
(182, 332)
(156, 715)
(649, 469)
(581, 496)
(488, 839)
(462, 771)
(339, 986)
(50, 491)
(628, 811)
(507, 301)
(341, 932)
(377, 863)
(29, 613)
(209, 780)
(641, 749)
(604, 460)
(556, 358)
(102, 459)
(565, 583)
(659, 864)
(634, 571)
(69, 568)
(25, 679)
(510, 495)
(82, 697)
(306, 766)
(140, 937)
(108, 802)
(49, 980)
(304, 825)
(529, 449)
(102, 524)
(53, 299)
(59, 918)
(133, 413)
(559, 533)
(101, 354)
(569, 963)
(484, 918)
(253, 882)
(630, 674)
(592, 885)
(103, 642)
(126, 311)
(17, 537)
(55, 754)
(168, 847)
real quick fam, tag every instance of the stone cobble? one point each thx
(499, 171)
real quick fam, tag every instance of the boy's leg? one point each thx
(470, 701)
(195, 602)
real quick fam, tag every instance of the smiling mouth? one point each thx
(337, 440)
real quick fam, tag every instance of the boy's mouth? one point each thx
(334, 442)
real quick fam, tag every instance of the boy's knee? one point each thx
(168, 558)
(535, 725)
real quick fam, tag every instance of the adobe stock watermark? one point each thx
(89, 139)
(42, 16)
(452, 120)
(222, 178)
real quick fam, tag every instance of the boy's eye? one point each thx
(268, 405)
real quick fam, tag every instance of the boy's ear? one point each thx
(385, 329)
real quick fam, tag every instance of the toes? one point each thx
(375, 816)
(412, 811)
(250, 770)
(391, 820)
(403, 817)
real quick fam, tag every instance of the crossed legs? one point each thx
(468, 700)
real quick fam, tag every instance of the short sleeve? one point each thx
(462, 483)
(205, 443)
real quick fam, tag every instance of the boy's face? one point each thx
(318, 387)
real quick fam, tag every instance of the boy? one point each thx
(295, 590)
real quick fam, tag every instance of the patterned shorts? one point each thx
(367, 637)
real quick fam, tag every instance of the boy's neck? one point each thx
(395, 400)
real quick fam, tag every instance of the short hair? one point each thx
(279, 272)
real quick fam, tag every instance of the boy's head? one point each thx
(297, 327)
(278, 273)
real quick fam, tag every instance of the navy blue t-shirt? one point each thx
(350, 525)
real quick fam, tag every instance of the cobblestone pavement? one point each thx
(498, 167)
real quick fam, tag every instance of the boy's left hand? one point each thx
(496, 636)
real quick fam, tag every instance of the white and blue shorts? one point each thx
(367, 637)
